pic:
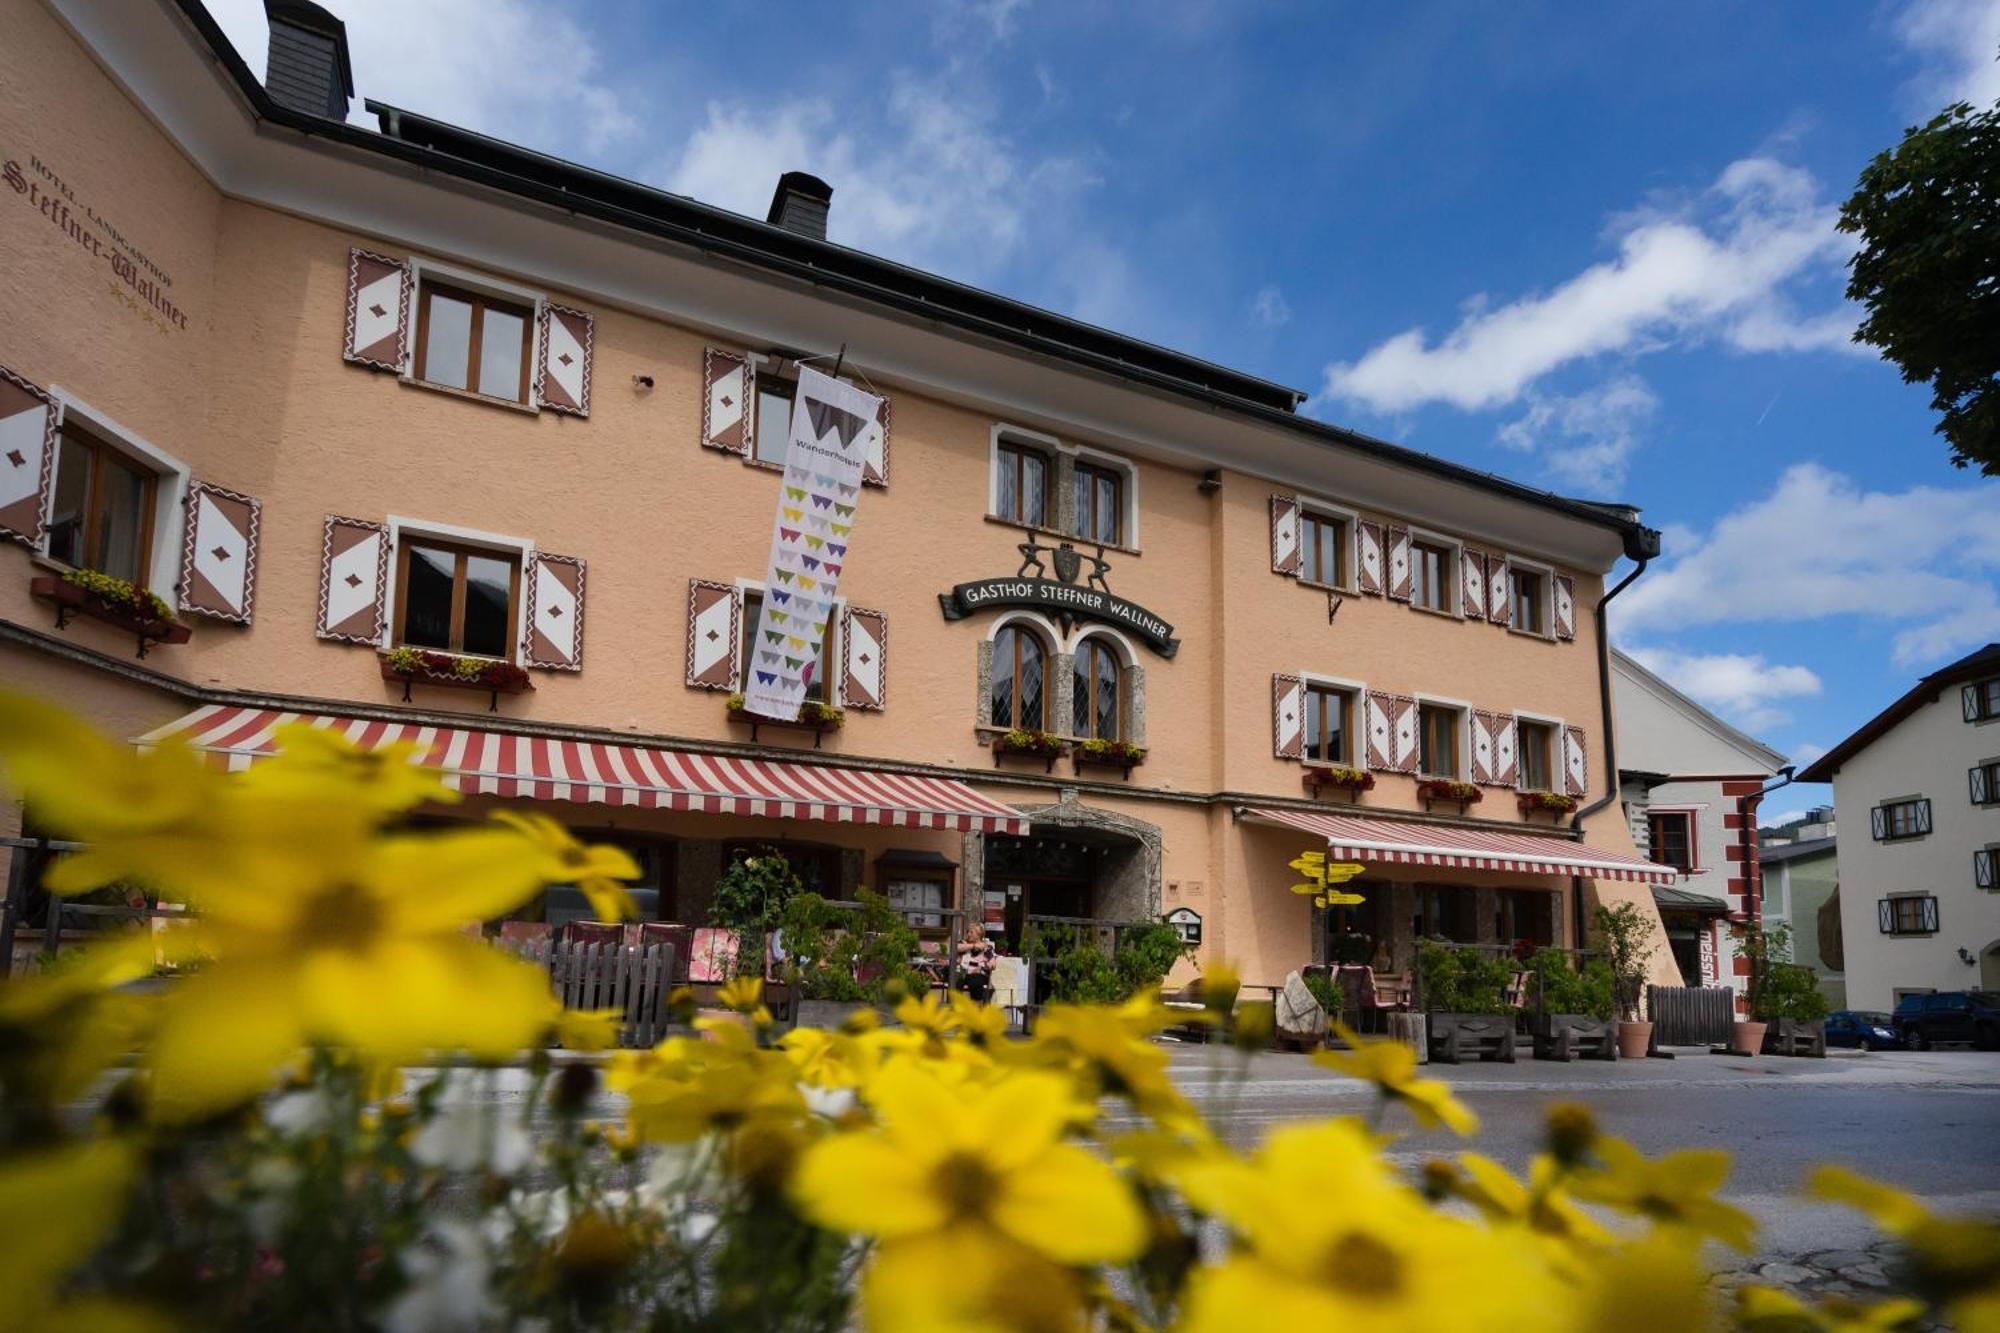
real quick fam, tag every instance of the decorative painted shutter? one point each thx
(353, 580)
(1381, 727)
(1403, 730)
(1576, 762)
(1565, 587)
(1285, 535)
(1288, 716)
(1472, 566)
(1402, 578)
(715, 612)
(1878, 823)
(1921, 816)
(1885, 916)
(28, 417)
(378, 310)
(864, 658)
(1368, 555)
(875, 462)
(725, 406)
(1505, 736)
(555, 612)
(1968, 696)
(1499, 605)
(1983, 876)
(566, 340)
(1976, 778)
(1930, 915)
(1482, 747)
(219, 553)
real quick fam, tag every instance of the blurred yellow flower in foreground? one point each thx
(1392, 1068)
(1676, 1192)
(594, 869)
(56, 1207)
(1951, 1261)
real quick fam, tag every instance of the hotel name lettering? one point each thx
(136, 280)
(1061, 597)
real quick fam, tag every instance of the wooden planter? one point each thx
(1530, 809)
(72, 600)
(1791, 1036)
(1123, 765)
(1002, 750)
(1432, 799)
(1351, 790)
(451, 680)
(815, 727)
(828, 1013)
(1573, 1037)
(1455, 1038)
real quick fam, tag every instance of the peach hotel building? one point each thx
(331, 392)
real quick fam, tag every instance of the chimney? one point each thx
(801, 204)
(307, 68)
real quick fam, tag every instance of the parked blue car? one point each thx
(1869, 1031)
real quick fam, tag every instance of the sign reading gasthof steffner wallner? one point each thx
(1061, 596)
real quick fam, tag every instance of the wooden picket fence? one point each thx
(1691, 1015)
(634, 979)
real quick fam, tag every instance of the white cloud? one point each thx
(1585, 440)
(1743, 687)
(1958, 41)
(1270, 308)
(1927, 559)
(1805, 752)
(1717, 266)
(521, 70)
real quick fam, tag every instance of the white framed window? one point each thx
(1038, 481)
(1327, 535)
(1333, 722)
(116, 500)
(1022, 477)
(456, 589)
(1434, 571)
(1444, 738)
(1104, 497)
(1530, 598)
(1538, 754)
(474, 334)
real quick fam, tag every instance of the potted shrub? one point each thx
(1787, 1010)
(114, 601)
(1461, 794)
(815, 717)
(750, 898)
(1544, 803)
(1573, 1008)
(1465, 1000)
(1043, 745)
(842, 960)
(1121, 755)
(1335, 777)
(1625, 935)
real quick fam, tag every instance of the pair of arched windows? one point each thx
(1024, 689)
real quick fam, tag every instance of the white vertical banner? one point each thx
(809, 540)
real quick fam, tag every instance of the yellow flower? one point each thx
(1541, 1205)
(1769, 1310)
(1392, 1068)
(989, 1158)
(1654, 1285)
(319, 761)
(743, 994)
(594, 869)
(56, 1207)
(931, 1014)
(1219, 985)
(686, 1088)
(965, 1280)
(1954, 1262)
(1676, 1191)
(589, 1029)
(83, 785)
(1108, 1049)
(980, 1024)
(830, 1059)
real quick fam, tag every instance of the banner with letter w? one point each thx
(831, 422)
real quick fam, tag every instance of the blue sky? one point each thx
(1590, 247)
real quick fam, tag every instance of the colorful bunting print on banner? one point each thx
(823, 463)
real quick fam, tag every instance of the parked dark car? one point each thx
(1871, 1031)
(1952, 1015)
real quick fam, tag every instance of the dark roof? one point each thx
(1670, 899)
(468, 155)
(1769, 853)
(1974, 665)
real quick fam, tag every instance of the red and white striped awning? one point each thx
(1352, 838)
(548, 769)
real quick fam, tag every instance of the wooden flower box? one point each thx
(1793, 1036)
(1444, 791)
(1319, 780)
(1122, 759)
(496, 679)
(1042, 745)
(70, 599)
(1455, 1038)
(816, 727)
(1534, 803)
(1573, 1037)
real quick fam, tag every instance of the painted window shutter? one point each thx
(28, 417)
(1878, 823)
(1499, 589)
(1983, 876)
(1921, 815)
(353, 580)
(1472, 565)
(715, 611)
(875, 462)
(864, 658)
(1285, 534)
(1976, 777)
(1482, 747)
(725, 406)
(1380, 728)
(555, 612)
(1576, 762)
(1402, 578)
(1930, 914)
(378, 311)
(1288, 716)
(566, 343)
(1968, 700)
(1885, 916)
(1565, 587)
(219, 553)
(1368, 556)
(1403, 731)
(1505, 732)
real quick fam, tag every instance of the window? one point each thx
(1986, 867)
(1097, 681)
(1323, 549)
(1526, 612)
(102, 518)
(1535, 748)
(774, 420)
(1437, 738)
(1329, 721)
(1895, 820)
(1020, 670)
(456, 599)
(1100, 504)
(1670, 839)
(1023, 490)
(1446, 910)
(1913, 914)
(1430, 568)
(1982, 700)
(1984, 780)
(473, 342)
(753, 616)
(1524, 914)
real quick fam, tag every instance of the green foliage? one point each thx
(750, 898)
(405, 659)
(1568, 991)
(1122, 751)
(1779, 988)
(829, 947)
(120, 593)
(1626, 936)
(1926, 269)
(1463, 981)
(1079, 972)
(1145, 955)
(1353, 949)
(1324, 990)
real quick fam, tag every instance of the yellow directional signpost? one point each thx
(1321, 883)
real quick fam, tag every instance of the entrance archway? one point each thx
(1077, 861)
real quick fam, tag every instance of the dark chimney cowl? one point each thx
(800, 204)
(307, 67)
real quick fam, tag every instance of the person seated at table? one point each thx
(975, 962)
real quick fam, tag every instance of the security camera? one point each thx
(643, 381)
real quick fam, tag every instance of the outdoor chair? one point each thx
(1369, 997)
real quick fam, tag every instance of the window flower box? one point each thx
(1043, 745)
(1553, 803)
(1352, 781)
(814, 717)
(1121, 755)
(422, 666)
(111, 600)
(1434, 791)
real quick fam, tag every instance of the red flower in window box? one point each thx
(1340, 778)
(479, 673)
(1545, 802)
(1445, 789)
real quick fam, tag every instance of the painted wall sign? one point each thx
(1061, 597)
(140, 283)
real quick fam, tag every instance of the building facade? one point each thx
(1800, 869)
(432, 437)
(1917, 791)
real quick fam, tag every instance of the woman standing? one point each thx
(975, 962)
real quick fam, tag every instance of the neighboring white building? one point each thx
(1918, 795)
(1691, 784)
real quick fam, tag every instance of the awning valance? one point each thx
(551, 769)
(1670, 899)
(1353, 838)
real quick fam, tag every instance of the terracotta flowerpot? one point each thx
(1749, 1036)
(1634, 1037)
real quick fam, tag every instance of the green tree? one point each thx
(1927, 213)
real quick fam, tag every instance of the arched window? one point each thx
(1020, 679)
(1099, 710)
